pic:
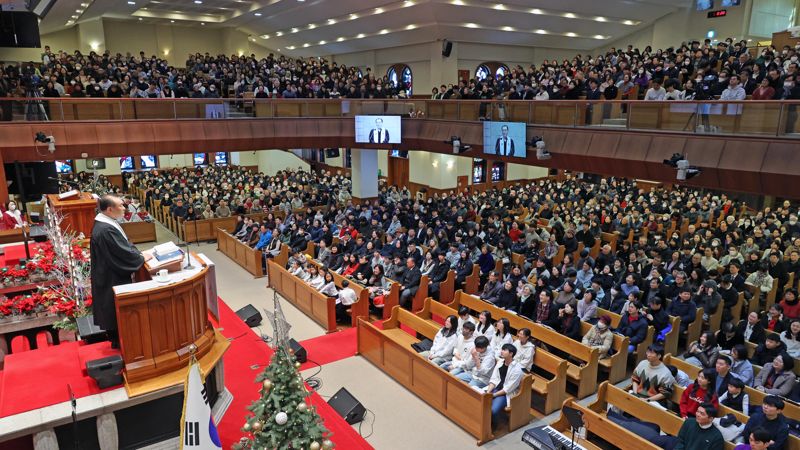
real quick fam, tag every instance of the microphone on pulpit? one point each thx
(188, 265)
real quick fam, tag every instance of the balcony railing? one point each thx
(744, 118)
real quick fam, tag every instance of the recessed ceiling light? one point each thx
(295, 30)
(599, 36)
(331, 21)
(84, 5)
(457, 2)
(202, 23)
(384, 31)
(536, 11)
(508, 28)
(471, 25)
(257, 14)
(198, 2)
(311, 26)
(75, 16)
(306, 45)
(628, 22)
(411, 27)
(408, 3)
(78, 11)
(360, 35)
(264, 36)
(140, 18)
(339, 39)
(600, 19)
(500, 6)
(569, 15)
(378, 10)
(291, 47)
(322, 42)
(541, 31)
(131, 3)
(353, 16)
(171, 21)
(279, 34)
(571, 34)
(70, 22)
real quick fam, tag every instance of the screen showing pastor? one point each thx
(504, 139)
(378, 129)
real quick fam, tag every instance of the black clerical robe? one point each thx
(114, 259)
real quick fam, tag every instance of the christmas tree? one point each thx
(282, 418)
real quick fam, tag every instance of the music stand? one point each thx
(575, 419)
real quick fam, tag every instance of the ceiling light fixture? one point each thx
(500, 7)
(322, 42)
(311, 26)
(411, 27)
(75, 16)
(198, 2)
(171, 21)
(306, 45)
(541, 32)
(384, 31)
(279, 34)
(84, 5)
(360, 35)
(295, 30)
(140, 19)
(353, 16)
(257, 14)
(471, 25)
(571, 34)
(457, 2)
(569, 15)
(408, 3)
(378, 10)
(599, 36)
(508, 28)
(264, 36)
(536, 11)
(202, 23)
(600, 19)
(78, 11)
(628, 22)
(331, 21)
(339, 39)
(291, 47)
(131, 3)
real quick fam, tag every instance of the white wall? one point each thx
(66, 40)
(272, 161)
(523, 172)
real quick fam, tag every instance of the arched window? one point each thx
(400, 77)
(498, 69)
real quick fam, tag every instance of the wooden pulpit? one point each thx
(78, 212)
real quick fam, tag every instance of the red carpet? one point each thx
(330, 348)
(15, 252)
(240, 380)
(28, 383)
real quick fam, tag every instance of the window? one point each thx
(126, 163)
(499, 70)
(498, 171)
(400, 77)
(478, 170)
(64, 166)
(221, 158)
(200, 159)
(148, 161)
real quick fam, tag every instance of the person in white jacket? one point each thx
(443, 343)
(791, 337)
(484, 326)
(525, 349)
(505, 381)
(463, 316)
(478, 368)
(463, 348)
(502, 336)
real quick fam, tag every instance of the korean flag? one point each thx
(198, 431)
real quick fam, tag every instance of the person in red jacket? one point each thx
(699, 392)
(790, 304)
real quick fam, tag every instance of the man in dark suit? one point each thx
(409, 283)
(504, 145)
(114, 260)
(378, 134)
(438, 275)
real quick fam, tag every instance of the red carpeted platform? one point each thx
(240, 380)
(329, 348)
(15, 252)
(28, 380)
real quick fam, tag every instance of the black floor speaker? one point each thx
(250, 315)
(347, 406)
(300, 353)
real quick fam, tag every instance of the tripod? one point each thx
(34, 109)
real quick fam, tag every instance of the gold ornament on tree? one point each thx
(302, 406)
(267, 384)
(247, 427)
(297, 365)
(257, 426)
(327, 444)
(314, 446)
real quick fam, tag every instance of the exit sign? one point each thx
(719, 13)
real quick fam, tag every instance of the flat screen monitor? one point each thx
(378, 129)
(504, 139)
(727, 3)
(64, 166)
(704, 5)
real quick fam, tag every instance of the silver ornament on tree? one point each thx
(281, 418)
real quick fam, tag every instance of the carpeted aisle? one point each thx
(247, 349)
(330, 348)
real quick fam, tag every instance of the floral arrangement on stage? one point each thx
(283, 418)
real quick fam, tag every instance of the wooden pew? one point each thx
(249, 258)
(582, 374)
(390, 350)
(473, 281)
(139, 232)
(616, 364)
(596, 423)
(641, 349)
(671, 339)
(319, 307)
(361, 307)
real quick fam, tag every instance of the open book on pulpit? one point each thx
(165, 256)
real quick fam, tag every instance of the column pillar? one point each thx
(364, 174)
(3, 183)
(107, 434)
(45, 440)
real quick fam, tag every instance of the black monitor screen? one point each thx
(19, 29)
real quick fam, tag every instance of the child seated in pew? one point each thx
(681, 379)
(347, 296)
(760, 439)
(329, 285)
(444, 342)
(478, 368)
(735, 397)
(464, 316)
(699, 392)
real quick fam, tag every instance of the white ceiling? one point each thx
(323, 27)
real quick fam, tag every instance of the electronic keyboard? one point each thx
(548, 438)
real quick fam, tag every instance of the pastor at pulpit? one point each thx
(114, 261)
